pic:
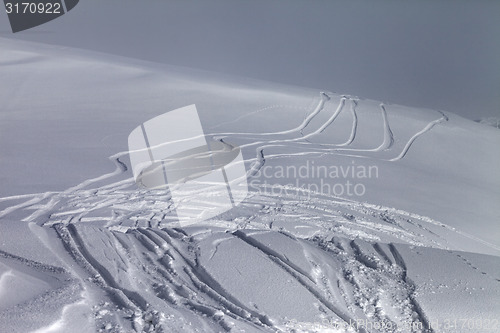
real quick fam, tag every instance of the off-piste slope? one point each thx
(411, 245)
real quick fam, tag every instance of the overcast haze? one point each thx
(436, 54)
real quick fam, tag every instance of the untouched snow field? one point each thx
(412, 245)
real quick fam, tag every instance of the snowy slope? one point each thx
(490, 121)
(90, 251)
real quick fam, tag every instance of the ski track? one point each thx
(297, 274)
(139, 227)
(388, 136)
(354, 104)
(374, 284)
(387, 143)
(401, 263)
(414, 137)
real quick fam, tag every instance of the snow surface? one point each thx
(491, 121)
(82, 249)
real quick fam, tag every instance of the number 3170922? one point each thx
(33, 8)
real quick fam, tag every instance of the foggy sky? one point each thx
(428, 53)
